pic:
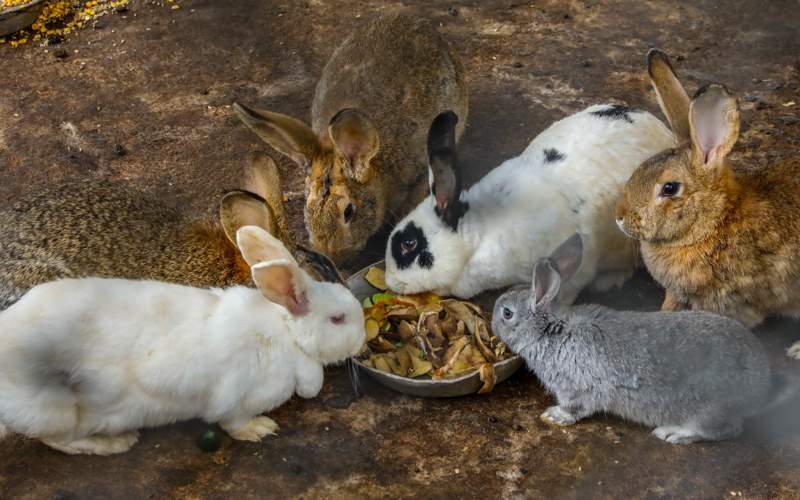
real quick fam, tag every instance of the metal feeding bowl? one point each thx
(427, 388)
(13, 19)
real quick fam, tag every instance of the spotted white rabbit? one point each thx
(85, 363)
(567, 180)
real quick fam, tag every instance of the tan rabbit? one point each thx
(105, 229)
(364, 154)
(717, 238)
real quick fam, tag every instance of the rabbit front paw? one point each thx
(794, 350)
(676, 435)
(556, 415)
(251, 430)
(95, 445)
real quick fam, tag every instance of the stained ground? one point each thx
(144, 98)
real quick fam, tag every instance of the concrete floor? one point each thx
(164, 94)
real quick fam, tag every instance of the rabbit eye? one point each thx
(338, 319)
(507, 313)
(670, 189)
(408, 246)
(348, 212)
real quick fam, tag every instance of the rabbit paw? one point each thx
(252, 430)
(95, 445)
(676, 435)
(555, 415)
(794, 350)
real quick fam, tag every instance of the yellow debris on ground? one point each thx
(61, 17)
(4, 4)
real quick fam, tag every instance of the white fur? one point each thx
(83, 363)
(523, 209)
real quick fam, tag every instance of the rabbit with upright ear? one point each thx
(85, 363)
(364, 152)
(490, 236)
(716, 238)
(106, 229)
(693, 375)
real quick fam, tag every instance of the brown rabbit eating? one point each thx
(716, 238)
(364, 153)
(104, 229)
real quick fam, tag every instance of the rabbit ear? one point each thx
(567, 257)
(546, 284)
(355, 140)
(241, 208)
(284, 133)
(714, 120)
(282, 282)
(257, 246)
(263, 178)
(446, 186)
(275, 272)
(671, 95)
(323, 266)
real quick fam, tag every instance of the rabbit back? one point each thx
(567, 180)
(104, 229)
(401, 73)
(122, 370)
(662, 368)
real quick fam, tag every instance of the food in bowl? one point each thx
(426, 336)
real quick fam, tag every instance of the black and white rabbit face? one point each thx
(512, 319)
(423, 253)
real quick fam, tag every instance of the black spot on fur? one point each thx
(615, 112)
(411, 232)
(552, 155)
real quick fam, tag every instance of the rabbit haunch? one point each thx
(85, 363)
(567, 180)
(693, 375)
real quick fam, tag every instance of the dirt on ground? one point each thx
(143, 97)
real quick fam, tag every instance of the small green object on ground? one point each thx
(210, 440)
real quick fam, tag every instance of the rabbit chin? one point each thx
(321, 339)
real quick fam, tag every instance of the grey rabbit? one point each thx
(693, 375)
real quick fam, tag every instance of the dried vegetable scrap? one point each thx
(61, 17)
(426, 336)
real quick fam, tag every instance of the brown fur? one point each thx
(730, 241)
(394, 76)
(106, 229)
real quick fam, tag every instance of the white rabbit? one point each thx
(85, 363)
(567, 180)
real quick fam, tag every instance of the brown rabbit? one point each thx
(717, 238)
(104, 229)
(365, 151)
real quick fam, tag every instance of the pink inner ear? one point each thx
(709, 125)
(441, 201)
(298, 306)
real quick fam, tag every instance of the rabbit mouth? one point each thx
(625, 230)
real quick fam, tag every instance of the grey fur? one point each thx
(693, 375)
